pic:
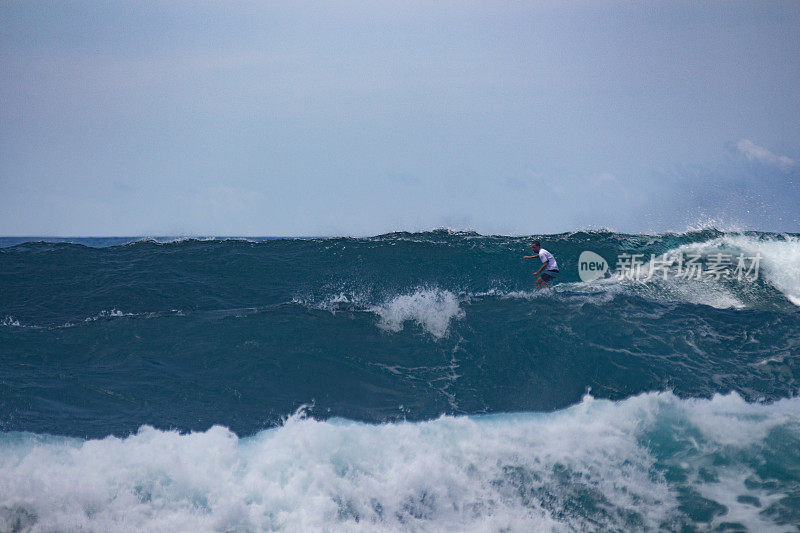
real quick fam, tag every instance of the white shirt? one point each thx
(548, 258)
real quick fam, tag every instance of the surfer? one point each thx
(548, 263)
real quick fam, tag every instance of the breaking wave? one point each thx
(649, 462)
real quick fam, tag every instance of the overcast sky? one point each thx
(358, 118)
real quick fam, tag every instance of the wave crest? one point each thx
(649, 462)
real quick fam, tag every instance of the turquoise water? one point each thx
(405, 381)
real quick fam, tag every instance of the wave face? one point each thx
(123, 365)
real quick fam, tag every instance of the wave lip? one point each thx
(779, 265)
(781, 261)
(649, 462)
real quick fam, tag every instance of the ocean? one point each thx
(403, 382)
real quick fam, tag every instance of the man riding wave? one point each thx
(549, 265)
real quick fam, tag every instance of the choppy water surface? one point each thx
(406, 381)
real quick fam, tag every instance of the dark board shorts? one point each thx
(549, 275)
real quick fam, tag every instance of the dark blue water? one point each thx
(692, 385)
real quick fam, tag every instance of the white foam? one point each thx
(603, 290)
(10, 321)
(704, 291)
(339, 300)
(779, 258)
(432, 309)
(694, 291)
(598, 291)
(779, 267)
(523, 472)
(117, 313)
(109, 313)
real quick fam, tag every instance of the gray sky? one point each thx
(323, 118)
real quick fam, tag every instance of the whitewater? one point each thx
(403, 382)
